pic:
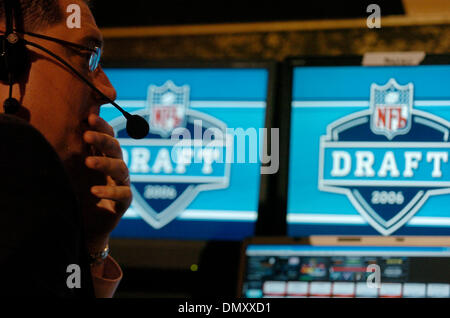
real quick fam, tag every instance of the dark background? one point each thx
(178, 12)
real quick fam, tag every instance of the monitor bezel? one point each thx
(179, 258)
(336, 241)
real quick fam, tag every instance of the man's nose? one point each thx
(104, 85)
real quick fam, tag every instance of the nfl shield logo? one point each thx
(387, 181)
(167, 173)
(167, 104)
(391, 107)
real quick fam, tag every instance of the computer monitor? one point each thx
(369, 147)
(196, 176)
(279, 267)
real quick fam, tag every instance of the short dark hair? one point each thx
(37, 14)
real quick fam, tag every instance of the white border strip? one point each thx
(425, 221)
(195, 143)
(293, 218)
(352, 103)
(342, 252)
(297, 218)
(218, 215)
(195, 104)
(226, 104)
(383, 144)
(128, 104)
(256, 104)
(177, 179)
(363, 103)
(385, 183)
(425, 103)
(205, 215)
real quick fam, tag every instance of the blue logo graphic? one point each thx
(388, 160)
(185, 152)
(168, 105)
(391, 106)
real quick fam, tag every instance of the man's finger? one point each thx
(99, 124)
(119, 194)
(115, 168)
(104, 143)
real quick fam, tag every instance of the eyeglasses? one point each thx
(95, 50)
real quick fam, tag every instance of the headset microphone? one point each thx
(137, 127)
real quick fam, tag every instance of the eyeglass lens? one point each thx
(95, 59)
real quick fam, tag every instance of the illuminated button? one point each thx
(274, 288)
(344, 289)
(414, 290)
(391, 290)
(320, 289)
(297, 289)
(363, 290)
(254, 293)
(438, 290)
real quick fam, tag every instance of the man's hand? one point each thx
(112, 196)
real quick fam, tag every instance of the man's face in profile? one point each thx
(58, 101)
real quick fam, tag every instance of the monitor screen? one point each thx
(345, 271)
(196, 175)
(369, 150)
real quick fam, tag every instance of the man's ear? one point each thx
(14, 69)
(14, 59)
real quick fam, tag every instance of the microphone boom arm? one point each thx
(137, 127)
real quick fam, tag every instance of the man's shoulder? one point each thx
(40, 221)
(33, 176)
(16, 133)
(28, 162)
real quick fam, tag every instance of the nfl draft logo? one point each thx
(186, 152)
(388, 159)
(168, 105)
(391, 106)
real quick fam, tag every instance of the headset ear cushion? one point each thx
(11, 105)
(14, 60)
(3, 68)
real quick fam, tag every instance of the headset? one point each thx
(15, 64)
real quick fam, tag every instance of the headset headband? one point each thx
(9, 17)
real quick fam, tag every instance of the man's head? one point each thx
(57, 101)
(37, 15)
